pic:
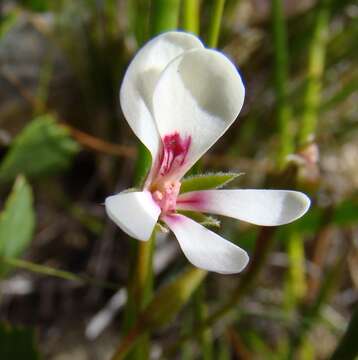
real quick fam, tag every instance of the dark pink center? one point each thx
(165, 184)
(173, 155)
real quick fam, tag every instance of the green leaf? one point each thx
(17, 222)
(165, 305)
(207, 181)
(171, 298)
(202, 219)
(17, 343)
(42, 148)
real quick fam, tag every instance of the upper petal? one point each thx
(261, 207)
(204, 248)
(141, 77)
(198, 96)
(135, 213)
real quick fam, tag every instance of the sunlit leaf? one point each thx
(42, 148)
(207, 181)
(17, 222)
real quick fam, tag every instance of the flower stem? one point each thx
(283, 110)
(295, 281)
(191, 9)
(214, 29)
(165, 15)
(140, 292)
(316, 60)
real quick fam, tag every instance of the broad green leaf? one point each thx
(17, 343)
(207, 181)
(17, 222)
(42, 148)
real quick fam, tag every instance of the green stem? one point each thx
(165, 14)
(283, 110)
(139, 24)
(140, 292)
(201, 312)
(214, 29)
(164, 17)
(295, 280)
(191, 9)
(312, 313)
(262, 248)
(315, 68)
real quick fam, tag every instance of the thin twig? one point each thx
(62, 274)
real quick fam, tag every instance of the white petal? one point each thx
(141, 77)
(204, 248)
(261, 207)
(135, 213)
(198, 95)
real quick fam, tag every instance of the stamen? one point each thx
(166, 196)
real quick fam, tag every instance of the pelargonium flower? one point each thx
(179, 98)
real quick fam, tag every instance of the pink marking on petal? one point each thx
(164, 178)
(174, 152)
(195, 200)
(173, 218)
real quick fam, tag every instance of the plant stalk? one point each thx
(214, 29)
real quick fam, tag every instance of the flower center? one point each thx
(173, 154)
(166, 195)
(164, 182)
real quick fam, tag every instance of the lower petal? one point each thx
(260, 207)
(205, 249)
(135, 213)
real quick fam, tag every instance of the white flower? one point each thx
(179, 98)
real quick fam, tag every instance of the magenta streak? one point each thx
(192, 201)
(174, 152)
(172, 219)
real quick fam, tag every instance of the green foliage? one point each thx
(17, 222)
(344, 214)
(207, 181)
(42, 148)
(202, 219)
(36, 5)
(17, 343)
(7, 22)
(171, 298)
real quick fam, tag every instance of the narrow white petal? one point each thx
(261, 207)
(135, 213)
(205, 249)
(198, 95)
(140, 80)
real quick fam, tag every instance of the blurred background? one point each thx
(65, 146)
